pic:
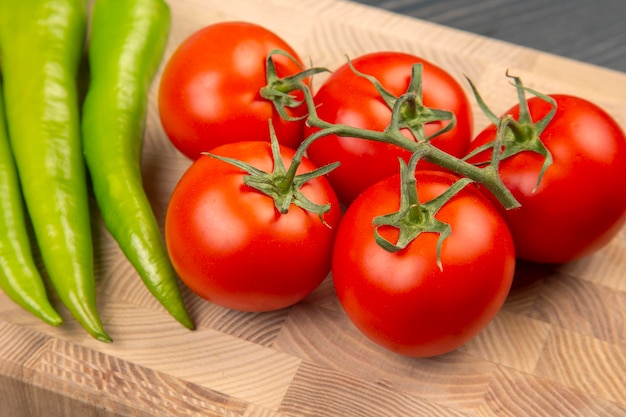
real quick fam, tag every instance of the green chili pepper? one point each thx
(41, 42)
(127, 43)
(19, 277)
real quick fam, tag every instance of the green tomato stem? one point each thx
(405, 110)
(488, 177)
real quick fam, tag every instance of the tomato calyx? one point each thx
(280, 91)
(409, 110)
(414, 218)
(282, 184)
(520, 135)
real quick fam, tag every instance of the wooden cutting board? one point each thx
(557, 348)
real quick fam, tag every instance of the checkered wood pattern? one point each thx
(557, 348)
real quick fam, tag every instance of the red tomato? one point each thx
(347, 98)
(403, 300)
(209, 91)
(232, 247)
(580, 204)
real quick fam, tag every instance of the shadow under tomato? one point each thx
(530, 273)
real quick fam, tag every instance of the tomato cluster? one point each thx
(423, 253)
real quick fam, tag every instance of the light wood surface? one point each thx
(558, 347)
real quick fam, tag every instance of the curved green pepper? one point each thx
(19, 277)
(41, 43)
(127, 43)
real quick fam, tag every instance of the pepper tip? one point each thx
(103, 337)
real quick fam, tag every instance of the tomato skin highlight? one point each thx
(232, 247)
(346, 98)
(402, 300)
(209, 90)
(580, 204)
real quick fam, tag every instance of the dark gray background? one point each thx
(592, 31)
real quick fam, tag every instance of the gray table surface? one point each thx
(592, 31)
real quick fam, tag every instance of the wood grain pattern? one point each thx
(557, 348)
